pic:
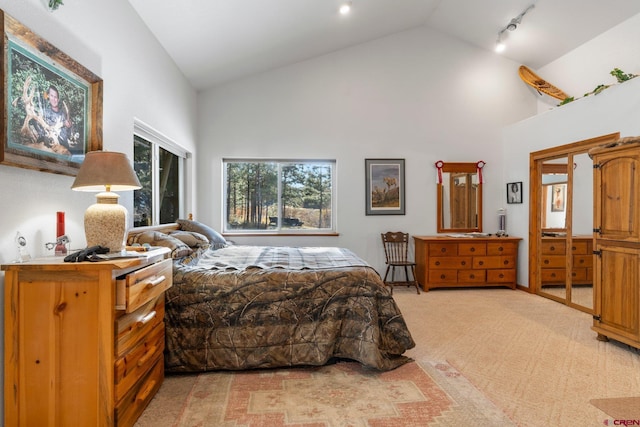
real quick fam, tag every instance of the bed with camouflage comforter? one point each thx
(244, 307)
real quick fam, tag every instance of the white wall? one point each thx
(140, 81)
(617, 109)
(418, 95)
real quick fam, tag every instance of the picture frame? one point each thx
(514, 192)
(385, 186)
(52, 105)
(558, 197)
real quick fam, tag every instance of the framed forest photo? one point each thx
(52, 104)
(385, 190)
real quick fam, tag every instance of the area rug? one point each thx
(620, 408)
(341, 394)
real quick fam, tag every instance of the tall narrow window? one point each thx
(159, 166)
(279, 196)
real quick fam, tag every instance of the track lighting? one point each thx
(511, 26)
(345, 8)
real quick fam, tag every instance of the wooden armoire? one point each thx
(617, 241)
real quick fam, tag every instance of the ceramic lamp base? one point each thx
(105, 223)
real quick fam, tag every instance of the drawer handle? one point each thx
(546, 261)
(442, 276)
(473, 249)
(145, 357)
(553, 248)
(481, 262)
(146, 319)
(464, 263)
(155, 281)
(553, 274)
(500, 249)
(473, 276)
(142, 396)
(506, 262)
(437, 262)
(501, 276)
(443, 250)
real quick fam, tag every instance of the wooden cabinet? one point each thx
(554, 260)
(71, 357)
(617, 241)
(443, 261)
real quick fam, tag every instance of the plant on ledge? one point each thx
(620, 76)
(55, 4)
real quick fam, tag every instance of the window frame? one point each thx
(278, 230)
(157, 141)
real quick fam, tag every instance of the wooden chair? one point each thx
(396, 250)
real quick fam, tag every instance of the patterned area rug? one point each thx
(341, 394)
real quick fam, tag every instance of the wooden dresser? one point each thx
(616, 196)
(443, 262)
(554, 260)
(83, 342)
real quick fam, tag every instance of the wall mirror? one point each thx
(561, 223)
(459, 203)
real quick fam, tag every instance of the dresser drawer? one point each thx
(443, 276)
(135, 363)
(454, 262)
(443, 249)
(553, 275)
(501, 248)
(554, 247)
(144, 284)
(501, 276)
(583, 261)
(579, 275)
(131, 406)
(472, 276)
(472, 249)
(553, 261)
(132, 327)
(580, 248)
(494, 262)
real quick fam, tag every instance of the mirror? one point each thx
(561, 212)
(459, 203)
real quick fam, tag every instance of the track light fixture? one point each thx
(345, 8)
(511, 26)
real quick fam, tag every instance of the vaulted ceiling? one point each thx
(216, 41)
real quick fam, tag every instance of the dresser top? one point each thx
(57, 262)
(449, 238)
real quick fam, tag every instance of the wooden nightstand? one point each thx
(71, 356)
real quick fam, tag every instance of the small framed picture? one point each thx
(514, 192)
(385, 186)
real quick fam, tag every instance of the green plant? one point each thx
(621, 76)
(55, 4)
(566, 100)
(597, 90)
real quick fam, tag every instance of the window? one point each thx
(279, 196)
(159, 165)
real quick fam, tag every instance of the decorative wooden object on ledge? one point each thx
(448, 262)
(616, 196)
(83, 342)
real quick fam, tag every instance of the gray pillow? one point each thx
(191, 238)
(215, 239)
(156, 238)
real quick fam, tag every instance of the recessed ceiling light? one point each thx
(345, 8)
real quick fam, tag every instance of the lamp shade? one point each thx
(105, 223)
(106, 169)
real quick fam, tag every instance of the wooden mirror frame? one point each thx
(458, 168)
(536, 162)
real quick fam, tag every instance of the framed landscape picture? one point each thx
(385, 188)
(52, 104)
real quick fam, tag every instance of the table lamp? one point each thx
(105, 223)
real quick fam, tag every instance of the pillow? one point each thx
(191, 238)
(156, 238)
(215, 239)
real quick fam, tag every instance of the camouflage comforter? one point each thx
(245, 307)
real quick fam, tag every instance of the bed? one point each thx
(235, 307)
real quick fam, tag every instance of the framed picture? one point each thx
(514, 192)
(558, 195)
(384, 180)
(52, 104)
